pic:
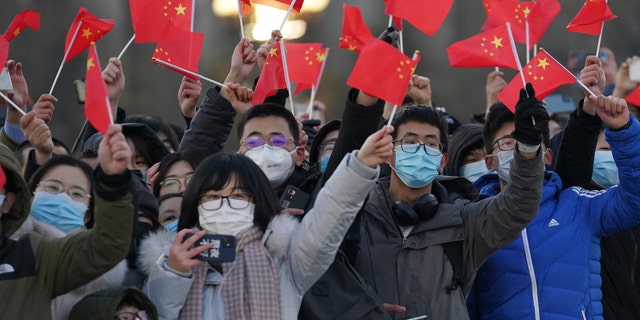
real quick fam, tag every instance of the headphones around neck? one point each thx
(425, 208)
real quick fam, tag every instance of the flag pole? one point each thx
(66, 54)
(13, 104)
(197, 75)
(126, 46)
(515, 55)
(286, 71)
(395, 106)
(240, 18)
(287, 15)
(401, 42)
(577, 79)
(526, 27)
(314, 87)
(600, 39)
(390, 21)
(110, 111)
(193, 13)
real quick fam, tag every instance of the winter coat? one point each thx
(301, 252)
(34, 270)
(554, 267)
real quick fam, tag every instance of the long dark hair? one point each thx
(164, 167)
(214, 172)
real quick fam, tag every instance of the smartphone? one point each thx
(81, 88)
(5, 80)
(294, 198)
(223, 250)
(634, 71)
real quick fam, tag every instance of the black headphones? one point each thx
(424, 209)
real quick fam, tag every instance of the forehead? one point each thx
(504, 130)
(266, 126)
(179, 168)
(419, 129)
(69, 176)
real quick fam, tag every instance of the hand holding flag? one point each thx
(271, 77)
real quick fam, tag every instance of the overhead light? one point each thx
(293, 29)
(225, 8)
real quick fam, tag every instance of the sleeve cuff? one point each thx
(360, 169)
(14, 132)
(166, 267)
(112, 187)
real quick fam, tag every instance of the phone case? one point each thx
(294, 198)
(223, 250)
(634, 71)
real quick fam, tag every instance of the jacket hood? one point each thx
(489, 186)
(314, 152)
(103, 304)
(467, 137)
(11, 222)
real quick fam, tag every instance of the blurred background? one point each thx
(153, 89)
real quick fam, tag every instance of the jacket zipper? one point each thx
(532, 274)
(584, 314)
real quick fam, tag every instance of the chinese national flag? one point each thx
(180, 48)
(27, 18)
(491, 48)
(96, 105)
(591, 16)
(245, 7)
(425, 15)
(4, 52)
(354, 31)
(545, 74)
(91, 30)
(511, 11)
(149, 17)
(281, 4)
(634, 97)
(304, 61)
(3, 178)
(396, 20)
(388, 78)
(271, 78)
(541, 17)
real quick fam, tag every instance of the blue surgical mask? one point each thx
(474, 170)
(418, 169)
(605, 171)
(172, 226)
(324, 162)
(58, 210)
(505, 158)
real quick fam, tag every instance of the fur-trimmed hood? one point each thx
(277, 239)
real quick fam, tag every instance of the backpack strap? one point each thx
(453, 251)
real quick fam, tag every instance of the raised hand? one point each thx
(530, 118)
(39, 135)
(114, 154)
(238, 96)
(243, 60)
(378, 148)
(181, 256)
(592, 76)
(264, 49)
(624, 85)
(44, 107)
(495, 84)
(19, 83)
(420, 90)
(113, 76)
(188, 96)
(613, 111)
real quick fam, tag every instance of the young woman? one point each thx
(277, 258)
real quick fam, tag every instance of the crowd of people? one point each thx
(415, 217)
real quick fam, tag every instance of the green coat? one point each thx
(34, 270)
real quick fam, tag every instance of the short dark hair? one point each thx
(165, 164)
(214, 173)
(423, 114)
(270, 110)
(498, 115)
(157, 124)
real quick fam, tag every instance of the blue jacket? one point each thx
(553, 268)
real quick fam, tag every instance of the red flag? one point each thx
(634, 97)
(281, 4)
(271, 78)
(3, 178)
(591, 16)
(27, 18)
(180, 48)
(425, 15)
(388, 78)
(397, 21)
(541, 17)
(96, 105)
(544, 72)
(491, 48)
(4, 52)
(91, 30)
(320, 59)
(245, 7)
(149, 17)
(511, 11)
(304, 61)
(354, 31)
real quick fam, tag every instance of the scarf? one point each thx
(250, 287)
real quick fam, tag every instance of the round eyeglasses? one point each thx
(55, 186)
(172, 185)
(432, 148)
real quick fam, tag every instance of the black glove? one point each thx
(309, 127)
(530, 119)
(391, 36)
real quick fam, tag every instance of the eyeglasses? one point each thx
(54, 187)
(506, 143)
(140, 315)
(278, 141)
(172, 185)
(432, 148)
(211, 202)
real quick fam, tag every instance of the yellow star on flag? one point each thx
(497, 42)
(16, 32)
(320, 56)
(90, 63)
(526, 11)
(180, 10)
(543, 63)
(87, 33)
(273, 52)
(352, 47)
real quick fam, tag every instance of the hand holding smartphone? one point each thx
(634, 71)
(223, 247)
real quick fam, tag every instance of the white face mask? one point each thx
(474, 170)
(226, 220)
(505, 158)
(276, 163)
